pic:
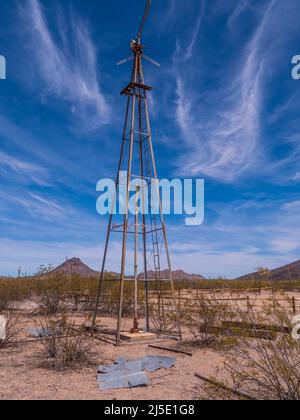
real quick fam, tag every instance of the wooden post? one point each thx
(221, 385)
(248, 304)
(294, 306)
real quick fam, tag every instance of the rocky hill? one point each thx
(285, 273)
(76, 266)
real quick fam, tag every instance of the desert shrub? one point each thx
(5, 297)
(81, 292)
(52, 293)
(267, 369)
(128, 305)
(258, 281)
(11, 294)
(162, 316)
(266, 363)
(204, 318)
(65, 347)
(109, 299)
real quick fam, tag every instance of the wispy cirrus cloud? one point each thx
(227, 144)
(35, 205)
(28, 171)
(66, 64)
(185, 53)
(223, 140)
(241, 6)
(296, 177)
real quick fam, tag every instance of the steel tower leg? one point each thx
(108, 234)
(144, 218)
(124, 247)
(161, 211)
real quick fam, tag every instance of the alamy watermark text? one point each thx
(2, 67)
(296, 68)
(177, 197)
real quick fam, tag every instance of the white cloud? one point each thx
(224, 140)
(296, 177)
(186, 53)
(228, 264)
(285, 245)
(24, 169)
(32, 254)
(291, 207)
(236, 14)
(68, 68)
(36, 205)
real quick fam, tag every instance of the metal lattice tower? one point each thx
(144, 233)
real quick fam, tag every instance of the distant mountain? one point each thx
(285, 273)
(76, 266)
(177, 275)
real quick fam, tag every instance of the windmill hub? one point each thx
(137, 47)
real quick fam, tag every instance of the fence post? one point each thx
(179, 299)
(294, 306)
(248, 304)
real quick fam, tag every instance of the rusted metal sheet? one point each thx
(130, 374)
(118, 381)
(39, 332)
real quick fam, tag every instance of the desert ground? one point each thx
(23, 377)
(25, 380)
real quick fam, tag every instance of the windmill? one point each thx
(145, 245)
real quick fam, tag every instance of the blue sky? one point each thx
(225, 108)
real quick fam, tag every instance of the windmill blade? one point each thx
(145, 17)
(126, 60)
(151, 60)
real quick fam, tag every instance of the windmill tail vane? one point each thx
(136, 43)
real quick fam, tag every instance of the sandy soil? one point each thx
(22, 378)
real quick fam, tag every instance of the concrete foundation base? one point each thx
(139, 336)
